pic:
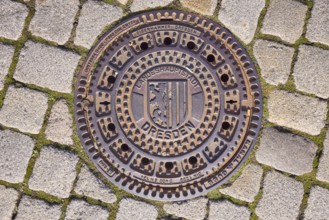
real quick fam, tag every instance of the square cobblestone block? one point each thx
(81, 210)
(228, 211)
(24, 109)
(323, 169)
(6, 56)
(281, 198)
(195, 209)
(35, 209)
(311, 71)
(206, 7)
(296, 111)
(285, 19)
(139, 5)
(317, 204)
(89, 185)
(54, 172)
(53, 19)
(241, 17)
(131, 209)
(317, 28)
(12, 18)
(59, 127)
(16, 150)
(46, 66)
(94, 17)
(286, 151)
(247, 185)
(274, 60)
(8, 200)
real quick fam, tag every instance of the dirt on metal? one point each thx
(168, 105)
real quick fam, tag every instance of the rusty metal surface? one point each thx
(168, 105)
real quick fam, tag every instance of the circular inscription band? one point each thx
(168, 105)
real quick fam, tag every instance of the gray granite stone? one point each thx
(205, 7)
(139, 5)
(228, 211)
(16, 150)
(323, 169)
(317, 27)
(247, 185)
(24, 109)
(6, 56)
(241, 17)
(296, 111)
(195, 209)
(59, 127)
(35, 209)
(81, 210)
(12, 18)
(274, 60)
(311, 71)
(285, 19)
(54, 172)
(281, 198)
(131, 209)
(123, 1)
(94, 17)
(317, 204)
(89, 185)
(46, 66)
(8, 200)
(53, 19)
(286, 151)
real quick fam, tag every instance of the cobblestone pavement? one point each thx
(44, 172)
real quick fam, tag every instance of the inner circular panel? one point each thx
(168, 105)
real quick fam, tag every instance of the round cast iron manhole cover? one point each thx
(168, 105)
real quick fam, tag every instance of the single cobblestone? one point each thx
(317, 204)
(323, 169)
(241, 17)
(317, 28)
(54, 172)
(281, 198)
(228, 211)
(285, 18)
(16, 150)
(195, 209)
(274, 60)
(24, 109)
(206, 7)
(6, 55)
(8, 200)
(60, 124)
(46, 66)
(139, 5)
(53, 19)
(247, 185)
(296, 111)
(311, 71)
(79, 209)
(95, 15)
(30, 208)
(89, 185)
(12, 18)
(131, 209)
(286, 151)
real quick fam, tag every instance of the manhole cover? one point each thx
(168, 105)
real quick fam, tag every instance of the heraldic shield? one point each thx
(168, 102)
